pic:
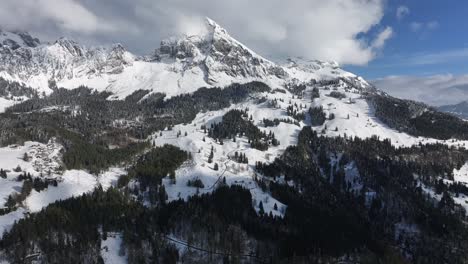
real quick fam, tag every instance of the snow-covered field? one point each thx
(7, 221)
(73, 183)
(43, 161)
(111, 249)
(4, 104)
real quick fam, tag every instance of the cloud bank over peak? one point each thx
(326, 30)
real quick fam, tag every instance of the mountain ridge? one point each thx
(179, 65)
(460, 109)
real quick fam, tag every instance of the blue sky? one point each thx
(430, 37)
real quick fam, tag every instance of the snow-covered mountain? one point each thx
(179, 65)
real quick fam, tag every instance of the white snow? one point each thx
(7, 187)
(74, 183)
(5, 103)
(352, 176)
(461, 199)
(361, 123)
(111, 249)
(110, 177)
(7, 221)
(42, 159)
(234, 173)
(461, 175)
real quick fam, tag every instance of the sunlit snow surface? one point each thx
(73, 183)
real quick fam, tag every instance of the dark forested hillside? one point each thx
(391, 177)
(418, 119)
(336, 199)
(327, 212)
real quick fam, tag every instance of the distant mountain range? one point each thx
(460, 109)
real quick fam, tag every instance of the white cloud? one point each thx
(318, 29)
(328, 30)
(379, 42)
(432, 25)
(427, 26)
(67, 15)
(402, 11)
(434, 90)
(437, 57)
(416, 26)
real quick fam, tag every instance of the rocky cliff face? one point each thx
(217, 52)
(23, 58)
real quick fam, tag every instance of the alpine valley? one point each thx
(205, 152)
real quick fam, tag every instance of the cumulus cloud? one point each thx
(434, 90)
(427, 26)
(402, 11)
(330, 30)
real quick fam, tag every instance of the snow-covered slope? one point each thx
(44, 161)
(179, 65)
(353, 116)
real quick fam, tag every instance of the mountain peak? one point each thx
(215, 28)
(17, 39)
(70, 46)
(211, 22)
(217, 54)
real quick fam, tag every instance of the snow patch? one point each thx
(111, 251)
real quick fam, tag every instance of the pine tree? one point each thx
(162, 194)
(172, 177)
(216, 167)
(260, 208)
(210, 158)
